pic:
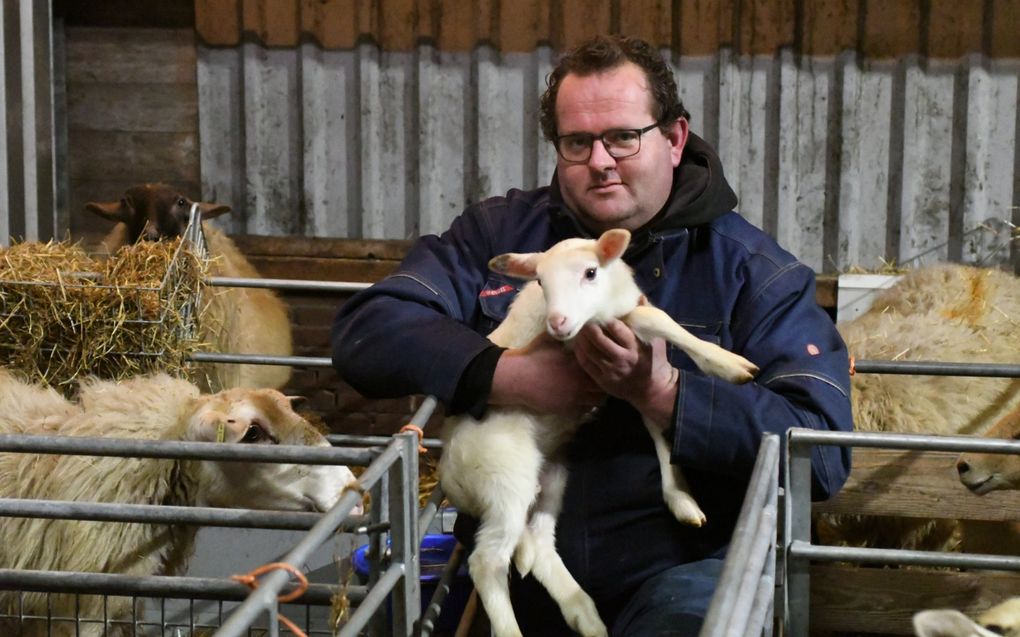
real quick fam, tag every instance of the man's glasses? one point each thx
(619, 143)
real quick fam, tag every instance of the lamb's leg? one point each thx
(675, 491)
(498, 533)
(545, 563)
(649, 322)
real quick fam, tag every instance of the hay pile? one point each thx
(64, 315)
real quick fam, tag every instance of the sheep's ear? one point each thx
(297, 401)
(213, 210)
(612, 244)
(946, 623)
(520, 266)
(114, 210)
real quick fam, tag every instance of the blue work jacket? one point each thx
(726, 281)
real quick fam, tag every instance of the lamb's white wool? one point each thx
(947, 313)
(232, 320)
(502, 469)
(998, 621)
(147, 408)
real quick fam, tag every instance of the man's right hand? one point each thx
(544, 376)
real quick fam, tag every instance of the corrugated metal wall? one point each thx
(857, 132)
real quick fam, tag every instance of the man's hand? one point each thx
(625, 367)
(546, 377)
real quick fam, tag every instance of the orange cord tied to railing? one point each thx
(250, 580)
(853, 366)
(417, 430)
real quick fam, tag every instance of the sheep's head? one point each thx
(580, 280)
(986, 472)
(262, 417)
(153, 211)
(1003, 619)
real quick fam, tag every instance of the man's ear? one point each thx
(612, 244)
(677, 137)
(521, 266)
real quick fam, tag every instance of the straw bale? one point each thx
(64, 315)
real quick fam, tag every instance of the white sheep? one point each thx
(947, 313)
(156, 407)
(1002, 620)
(503, 469)
(232, 319)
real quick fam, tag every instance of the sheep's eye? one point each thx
(182, 202)
(255, 433)
(993, 628)
(589, 274)
(1016, 436)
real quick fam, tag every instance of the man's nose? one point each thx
(600, 158)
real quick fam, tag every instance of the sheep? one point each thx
(156, 407)
(233, 320)
(986, 472)
(946, 312)
(1000, 620)
(504, 469)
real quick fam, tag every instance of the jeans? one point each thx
(670, 604)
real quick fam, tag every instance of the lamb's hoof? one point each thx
(733, 368)
(582, 616)
(685, 509)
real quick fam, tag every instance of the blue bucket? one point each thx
(435, 555)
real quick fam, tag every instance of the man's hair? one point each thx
(604, 53)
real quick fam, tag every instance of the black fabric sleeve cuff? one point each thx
(475, 385)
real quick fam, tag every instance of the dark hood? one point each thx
(700, 194)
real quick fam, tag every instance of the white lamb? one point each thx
(504, 469)
(1001, 620)
(233, 320)
(147, 408)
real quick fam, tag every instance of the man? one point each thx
(626, 159)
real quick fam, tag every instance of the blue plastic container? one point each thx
(435, 555)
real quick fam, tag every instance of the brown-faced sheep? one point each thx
(155, 407)
(233, 320)
(946, 313)
(998, 621)
(986, 472)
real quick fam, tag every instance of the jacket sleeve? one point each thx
(804, 382)
(409, 333)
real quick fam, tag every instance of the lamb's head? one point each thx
(153, 211)
(1003, 619)
(986, 472)
(582, 280)
(262, 417)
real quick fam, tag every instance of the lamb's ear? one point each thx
(520, 266)
(213, 210)
(113, 211)
(946, 623)
(612, 244)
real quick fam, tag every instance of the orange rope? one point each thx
(853, 366)
(250, 580)
(417, 430)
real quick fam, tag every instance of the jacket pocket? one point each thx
(494, 300)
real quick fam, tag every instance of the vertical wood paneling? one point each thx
(443, 83)
(221, 129)
(700, 27)
(650, 20)
(332, 23)
(955, 28)
(521, 25)
(1005, 16)
(219, 21)
(829, 26)
(580, 20)
(505, 124)
(276, 23)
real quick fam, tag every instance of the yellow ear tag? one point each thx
(221, 432)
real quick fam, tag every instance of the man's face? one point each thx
(616, 193)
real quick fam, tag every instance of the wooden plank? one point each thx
(580, 20)
(274, 22)
(316, 247)
(852, 600)
(444, 79)
(113, 56)
(218, 22)
(397, 26)
(766, 25)
(650, 20)
(700, 26)
(133, 156)
(141, 107)
(305, 269)
(504, 124)
(830, 26)
(915, 484)
(1004, 20)
(954, 28)
(891, 29)
(522, 25)
(333, 23)
(221, 129)
(455, 26)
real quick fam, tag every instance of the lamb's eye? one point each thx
(995, 628)
(589, 274)
(182, 202)
(254, 434)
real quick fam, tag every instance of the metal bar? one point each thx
(350, 440)
(937, 368)
(797, 527)
(164, 514)
(803, 550)
(374, 598)
(122, 447)
(443, 586)
(404, 542)
(288, 284)
(260, 359)
(800, 437)
(429, 511)
(153, 586)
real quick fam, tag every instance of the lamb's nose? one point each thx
(962, 467)
(556, 322)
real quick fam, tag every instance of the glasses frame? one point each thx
(601, 137)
